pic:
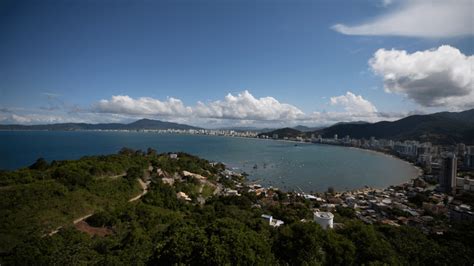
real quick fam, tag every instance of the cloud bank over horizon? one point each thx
(247, 108)
(418, 18)
(436, 79)
(241, 106)
(240, 109)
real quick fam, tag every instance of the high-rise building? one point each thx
(469, 161)
(447, 178)
(461, 149)
(470, 150)
(469, 157)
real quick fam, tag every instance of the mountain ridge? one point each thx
(141, 124)
(439, 128)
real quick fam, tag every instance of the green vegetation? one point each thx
(160, 229)
(437, 128)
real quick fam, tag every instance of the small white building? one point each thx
(271, 221)
(324, 219)
(182, 195)
(231, 192)
(464, 184)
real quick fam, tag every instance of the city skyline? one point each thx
(264, 64)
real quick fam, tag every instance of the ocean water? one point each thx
(311, 167)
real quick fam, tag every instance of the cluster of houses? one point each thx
(393, 206)
(416, 203)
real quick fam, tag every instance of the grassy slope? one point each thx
(40, 207)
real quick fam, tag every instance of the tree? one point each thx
(126, 151)
(162, 195)
(300, 244)
(331, 190)
(133, 174)
(232, 243)
(40, 164)
(182, 244)
(413, 247)
(151, 152)
(418, 199)
(371, 247)
(339, 250)
(346, 212)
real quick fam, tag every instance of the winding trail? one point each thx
(144, 187)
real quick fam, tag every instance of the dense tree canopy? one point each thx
(160, 229)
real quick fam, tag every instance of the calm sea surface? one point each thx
(311, 167)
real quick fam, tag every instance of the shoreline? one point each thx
(420, 171)
(362, 186)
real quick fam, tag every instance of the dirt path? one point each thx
(80, 219)
(113, 176)
(144, 187)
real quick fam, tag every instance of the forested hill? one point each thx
(137, 125)
(440, 128)
(284, 132)
(187, 216)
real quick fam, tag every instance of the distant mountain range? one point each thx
(439, 128)
(137, 125)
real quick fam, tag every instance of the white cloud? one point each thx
(245, 106)
(242, 109)
(42, 116)
(419, 18)
(386, 3)
(354, 104)
(123, 104)
(355, 108)
(30, 119)
(242, 106)
(441, 77)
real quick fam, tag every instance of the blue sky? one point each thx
(283, 62)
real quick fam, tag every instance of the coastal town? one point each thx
(430, 202)
(437, 195)
(416, 203)
(426, 202)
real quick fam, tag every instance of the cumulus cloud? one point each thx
(355, 108)
(245, 106)
(241, 106)
(123, 104)
(441, 77)
(354, 104)
(242, 109)
(245, 109)
(419, 18)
